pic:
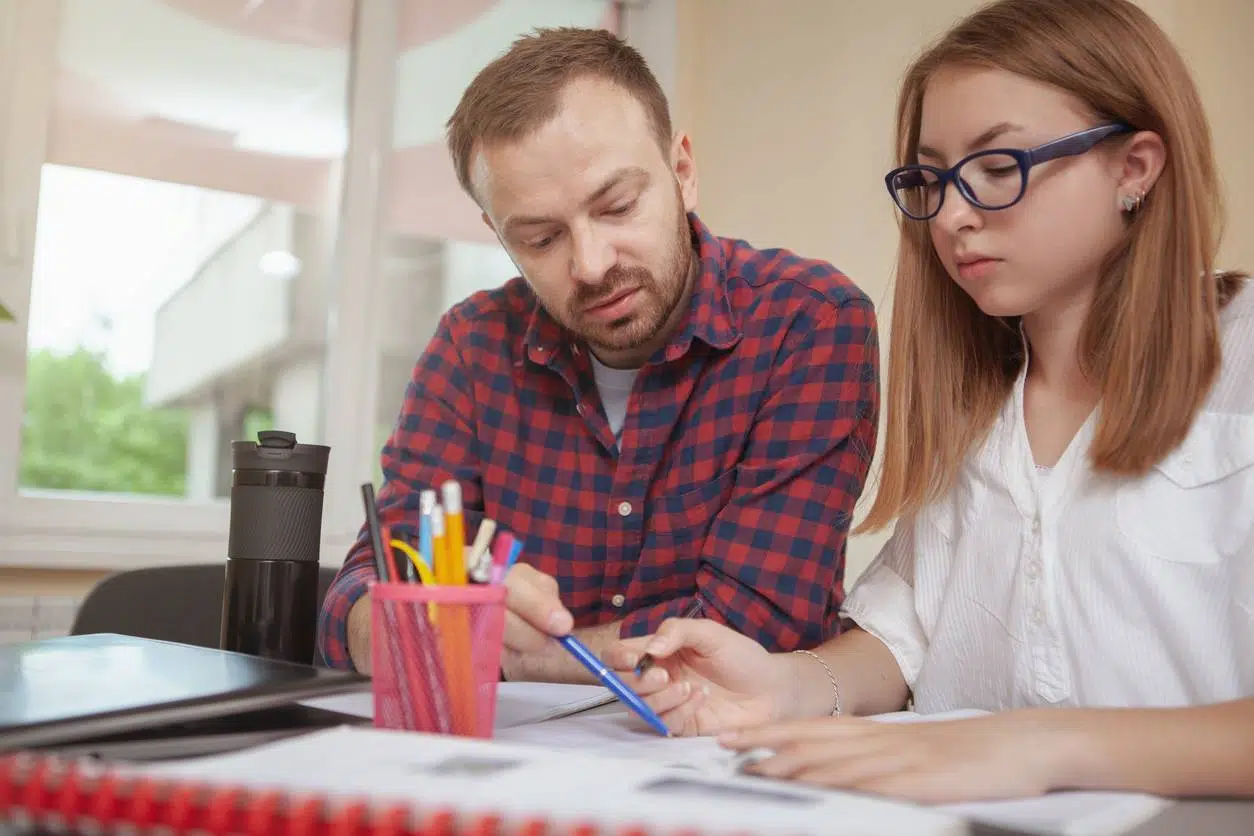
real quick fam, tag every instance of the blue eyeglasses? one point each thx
(992, 179)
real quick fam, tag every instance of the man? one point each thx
(663, 416)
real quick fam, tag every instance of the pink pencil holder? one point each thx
(436, 656)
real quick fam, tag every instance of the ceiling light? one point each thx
(279, 264)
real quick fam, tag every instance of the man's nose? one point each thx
(591, 254)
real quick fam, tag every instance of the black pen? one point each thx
(376, 534)
(646, 661)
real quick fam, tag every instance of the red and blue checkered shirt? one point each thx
(746, 443)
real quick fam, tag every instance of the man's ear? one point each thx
(685, 168)
(487, 221)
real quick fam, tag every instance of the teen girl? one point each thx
(1069, 452)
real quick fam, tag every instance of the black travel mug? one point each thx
(270, 600)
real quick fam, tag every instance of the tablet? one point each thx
(75, 689)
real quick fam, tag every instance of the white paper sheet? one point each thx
(620, 734)
(517, 703)
(614, 732)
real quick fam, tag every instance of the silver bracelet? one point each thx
(831, 677)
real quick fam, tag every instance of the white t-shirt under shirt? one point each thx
(1066, 587)
(614, 386)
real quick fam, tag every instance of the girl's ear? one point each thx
(1141, 163)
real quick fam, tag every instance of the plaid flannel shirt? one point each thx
(746, 444)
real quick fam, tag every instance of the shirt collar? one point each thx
(709, 316)
(709, 311)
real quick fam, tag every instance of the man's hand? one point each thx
(534, 617)
(359, 634)
(534, 612)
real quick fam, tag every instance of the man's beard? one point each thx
(656, 300)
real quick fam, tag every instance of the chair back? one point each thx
(171, 603)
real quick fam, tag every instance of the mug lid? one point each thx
(278, 450)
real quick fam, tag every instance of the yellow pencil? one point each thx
(455, 537)
(439, 546)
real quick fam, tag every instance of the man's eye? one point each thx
(622, 209)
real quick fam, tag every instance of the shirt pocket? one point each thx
(1197, 504)
(680, 520)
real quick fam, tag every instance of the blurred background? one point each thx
(222, 215)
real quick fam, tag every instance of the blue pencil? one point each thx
(426, 541)
(617, 687)
(515, 549)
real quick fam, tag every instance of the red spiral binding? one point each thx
(47, 791)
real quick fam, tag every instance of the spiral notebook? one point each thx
(365, 780)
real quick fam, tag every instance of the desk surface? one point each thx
(1201, 818)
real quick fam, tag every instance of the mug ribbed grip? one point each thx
(275, 523)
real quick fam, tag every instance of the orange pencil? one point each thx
(454, 634)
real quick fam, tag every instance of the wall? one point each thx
(791, 116)
(1214, 37)
(36, 603)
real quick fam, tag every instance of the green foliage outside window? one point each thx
(85, 430)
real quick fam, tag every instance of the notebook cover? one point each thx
(75, 688)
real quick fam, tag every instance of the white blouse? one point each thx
(1068, 587)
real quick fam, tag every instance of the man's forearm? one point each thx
(1197, 751)
(555, 664)
(359, 633)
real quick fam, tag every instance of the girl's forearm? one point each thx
(1197, 751)
(866, 674)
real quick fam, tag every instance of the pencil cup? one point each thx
(436, 656)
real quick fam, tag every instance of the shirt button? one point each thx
(581, 409)
(618, 601)
(575, 349)
(1036, 524)
(624, 509)
(1038, 616)
(1032, 570)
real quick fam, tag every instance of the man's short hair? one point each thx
(519, 92)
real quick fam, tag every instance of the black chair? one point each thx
(172, 603)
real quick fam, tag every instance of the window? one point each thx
(129, 387)
(173, 208)
(197, 242)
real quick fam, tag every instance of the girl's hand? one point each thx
(706, 678)
(1010, 755)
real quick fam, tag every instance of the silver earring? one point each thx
(1131, 203)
